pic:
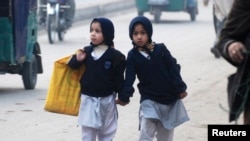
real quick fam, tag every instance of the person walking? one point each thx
(102, 80)
(69, 13)
(234, 45)
(160, 84)
(221, 9)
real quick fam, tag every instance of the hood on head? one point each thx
(146, 24)
(108, 30)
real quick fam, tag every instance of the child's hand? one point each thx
(120, 102)
(183, 95)
(80, 55)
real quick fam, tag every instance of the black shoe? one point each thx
(216, 52)
(42, 22)
(67, 25)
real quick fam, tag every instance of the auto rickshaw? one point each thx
(156, 7)
(19, 50)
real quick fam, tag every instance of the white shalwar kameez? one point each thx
(98, 115)
(98, 118)
(160, 120)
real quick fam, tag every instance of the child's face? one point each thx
(140, 37)
(96, 35)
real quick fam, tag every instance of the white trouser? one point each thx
(107, 134)
(98, 118)
(153, 127)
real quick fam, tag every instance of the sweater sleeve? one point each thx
(174, 70)
(130, 74)
(119, 68)
(73, 63)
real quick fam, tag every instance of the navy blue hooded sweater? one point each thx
(159, 76)
(104, 76)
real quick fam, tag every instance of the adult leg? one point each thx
(147, 129)
(163, 134)
(218, 25)
(88, 134)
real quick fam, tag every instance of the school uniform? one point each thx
(102, 80)
(160, 84)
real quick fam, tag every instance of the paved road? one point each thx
(81, 3)
(22, 116)
(90, 8)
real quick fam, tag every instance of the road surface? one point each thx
(22, 116)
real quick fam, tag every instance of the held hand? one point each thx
(80, 55)
(120, 102)
(235, 51)
(183, 95)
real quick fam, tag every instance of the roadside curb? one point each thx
(84, 13)
(100, 10)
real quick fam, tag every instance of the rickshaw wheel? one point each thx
(157, 15)
(192, 12)
(52, 29)
(29, 73)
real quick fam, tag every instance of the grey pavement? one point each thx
(86, 9)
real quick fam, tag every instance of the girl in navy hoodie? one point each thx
(160, 84)
(102, 80)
